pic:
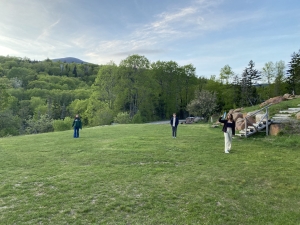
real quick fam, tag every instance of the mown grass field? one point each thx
(139, 174)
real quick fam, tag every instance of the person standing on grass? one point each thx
(77, 125)
(228, 129)
(174, 123)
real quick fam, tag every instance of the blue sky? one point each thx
(206, 33)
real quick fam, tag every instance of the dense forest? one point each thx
(44, 96)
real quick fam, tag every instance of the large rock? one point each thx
(238, 110)
(288, 96)
(230, 111)
(298, 116)
(237, 115)
(276, 128)
(259, 116)
(251, 120)
(274, 100)
(239, 124)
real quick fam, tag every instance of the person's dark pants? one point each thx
(76, 132)
(174, 131)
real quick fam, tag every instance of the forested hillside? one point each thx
(42, 96)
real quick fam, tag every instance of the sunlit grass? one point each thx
(139, 174)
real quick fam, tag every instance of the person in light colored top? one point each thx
(229, 130)
(174, 123)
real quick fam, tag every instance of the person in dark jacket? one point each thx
(174, 123)
(77, 125)
(228, 129)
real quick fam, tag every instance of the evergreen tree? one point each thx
(250, 76)
(293, 73)
(75, 71)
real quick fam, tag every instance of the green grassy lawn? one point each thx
(139, 174)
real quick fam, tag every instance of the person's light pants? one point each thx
(228, 139)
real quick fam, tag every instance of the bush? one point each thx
(9, 132)
(122, 117)
(61, 125)
(137, 118)
(9, 124)
(105, 117)
(42, 125)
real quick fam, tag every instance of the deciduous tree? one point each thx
(204, 104)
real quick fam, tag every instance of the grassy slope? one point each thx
(273, 109)
(139, 174)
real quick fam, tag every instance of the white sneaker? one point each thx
(226, 151)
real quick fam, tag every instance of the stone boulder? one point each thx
(298, 116)
(274, 100)
(238, 110)
(288, 96)
(237, 115)
(230, 111)
(240, 124)
(276, 128)
(259, 116)
(251, 120)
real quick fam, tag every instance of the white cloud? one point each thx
(8, 51)
(47, 30)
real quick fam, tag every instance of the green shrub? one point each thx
(9, 124)
(61, 125)
(137, 118)
(122, 117)
(42, 125)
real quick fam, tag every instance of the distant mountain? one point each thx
(68, 60)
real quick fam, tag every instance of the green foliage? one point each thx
(122, 118)
(137, 118)
(42, 125)
(45, 81)
(103, 116)
(147, 91)
(106, 84)
(248, 91)
(23, 74)
(98, 112)
(9, 123)
(2, 71)
(293, 78)
(79, 107)
(62, 125)
(226, 73)
(3, 97)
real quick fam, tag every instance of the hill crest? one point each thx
(68, 60)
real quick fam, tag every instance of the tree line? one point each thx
(43, 96)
